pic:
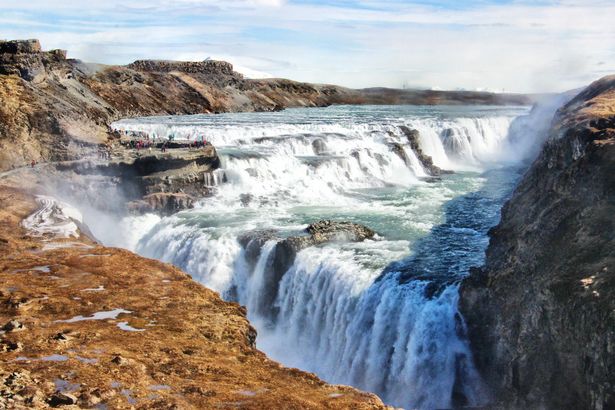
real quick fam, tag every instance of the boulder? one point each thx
(13, 326)
(327, 231)
(283, 255)
(61, 399)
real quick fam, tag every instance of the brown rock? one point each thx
(13, 326)
(540, 312)
(113, 363)
(61, 399)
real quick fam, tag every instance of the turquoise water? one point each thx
(380, 314)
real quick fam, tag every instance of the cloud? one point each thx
(517, 46)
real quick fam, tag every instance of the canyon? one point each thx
(540, 313)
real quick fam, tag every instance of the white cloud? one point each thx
(518, 46)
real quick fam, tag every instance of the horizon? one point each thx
(476, 45)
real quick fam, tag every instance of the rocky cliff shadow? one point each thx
(447, 253)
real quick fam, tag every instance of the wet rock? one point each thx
(252, 172)
(61, 399)
(326, 231)
(398, 149)
(283, 254)
(413, 138)
(245, 199)
(144, 182)
(162, 203)
(253, 241)
(540, 312)
(319, 146)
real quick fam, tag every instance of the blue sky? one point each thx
(524, 46)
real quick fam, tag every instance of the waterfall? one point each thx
(381, 314)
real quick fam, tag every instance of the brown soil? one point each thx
(192, 350)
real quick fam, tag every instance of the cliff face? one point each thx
(541, 313)
(90, 326)
(134, 181)
(53, 108)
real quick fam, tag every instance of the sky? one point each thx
(495, 45)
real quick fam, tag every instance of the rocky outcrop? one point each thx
(193, 67)
(164, 203)
(55, 108)
(541, 312)
(283, 253)
(20, 47)
(87, 326)
(426, 161)
(315, 234)
(139, 181)
(25, 58)
(413, 138)
(333, 231)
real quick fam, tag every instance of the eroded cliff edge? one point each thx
(85, 325)
(541, 312)
(53, 108)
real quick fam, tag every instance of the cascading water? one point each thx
(380, 314)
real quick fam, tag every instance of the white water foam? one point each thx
(283, 170)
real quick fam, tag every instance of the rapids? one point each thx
(381, 314)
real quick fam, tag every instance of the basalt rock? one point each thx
(541, 312)
(398, 149)
(283, 254)
(164, 203)
(253, 242)
(328, 231)
(426, 161)
(20, 47)
(319, 146)
(144, 181)
(194, 67)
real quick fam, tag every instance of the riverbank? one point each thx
(87, 325)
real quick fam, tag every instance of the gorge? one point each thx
(349, 233)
